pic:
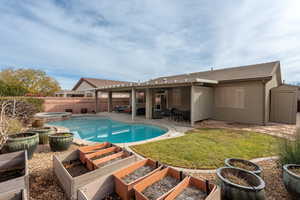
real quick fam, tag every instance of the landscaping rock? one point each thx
(191, 193)
(140, 172)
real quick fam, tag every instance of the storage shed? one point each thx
(285, 102)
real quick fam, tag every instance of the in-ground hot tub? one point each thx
(53, 116)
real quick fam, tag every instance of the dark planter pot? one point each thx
(291, 180)
(229, 163)
(60, 141)
(44, 133)
(232, 191)
(29, 142)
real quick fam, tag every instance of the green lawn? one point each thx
(207, 148)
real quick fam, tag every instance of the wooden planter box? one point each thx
(155, 177)
(71, 184)
(89, 157)
(125, 190)
(211, 190)
(86, 150)
(95, 164)
(10, 161)
(14, 195)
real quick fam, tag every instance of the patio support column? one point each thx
(96, 101)
(133, 103)
(109, 102)
(148, 103)
(192, 106)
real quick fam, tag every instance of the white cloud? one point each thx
(138, 40)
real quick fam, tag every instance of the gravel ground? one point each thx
(159, 188)
(43, 182)
(140, 172)
(272, 175)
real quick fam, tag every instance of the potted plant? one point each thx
(60, 141)
(290, 160)
(244, 164)
(239, 184)
(43, 133)
(37, 123)
(22, 141)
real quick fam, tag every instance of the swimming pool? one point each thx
(99, 129)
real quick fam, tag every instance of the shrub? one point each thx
(290, 150)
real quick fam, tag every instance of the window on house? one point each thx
(230, 97)
(140, 96)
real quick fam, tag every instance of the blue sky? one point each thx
(142, 39)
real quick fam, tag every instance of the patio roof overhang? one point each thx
(155, 84)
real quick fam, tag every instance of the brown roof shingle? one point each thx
(98, 82)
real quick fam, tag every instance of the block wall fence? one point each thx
(60, 104)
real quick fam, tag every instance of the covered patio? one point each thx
(188, 100)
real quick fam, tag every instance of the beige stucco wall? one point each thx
(185, 102)
(202, 99)
(253, 103)
(274, 82)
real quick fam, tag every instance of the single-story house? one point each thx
(83, 86)
(238, 94)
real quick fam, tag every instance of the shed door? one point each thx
(284, 106)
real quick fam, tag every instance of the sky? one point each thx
(136, 40)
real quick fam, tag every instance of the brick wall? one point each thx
(60, 104)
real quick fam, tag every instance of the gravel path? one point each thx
(43, 182)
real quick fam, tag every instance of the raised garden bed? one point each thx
(71, 184)
(126, 178)
(194, 189)
(107, 160)
(14, 174)
(14, 195)
(158, 185)
(86, 150)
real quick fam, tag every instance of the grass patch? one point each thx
(208, 148)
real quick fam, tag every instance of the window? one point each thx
(176, 97)
(230, 97)
(140, 96)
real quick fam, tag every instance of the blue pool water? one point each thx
(99, 129)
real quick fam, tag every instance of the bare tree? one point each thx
(4, 123)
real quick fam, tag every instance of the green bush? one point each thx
(290, 150)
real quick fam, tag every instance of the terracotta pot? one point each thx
(291, 180)
(229, 162)
(155, 177)
(95, 164)
(38, 123)
(125, 190)
(210, 189)
(91, 149)
(232, 191)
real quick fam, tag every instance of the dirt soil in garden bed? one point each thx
(272, 175)
(140, 172)
(8, 174)
(159, 188)
(233, 178)
(242, 165)
(110, 161)
(191, 193)
(75, 168)
(113, 196)
(295, 170)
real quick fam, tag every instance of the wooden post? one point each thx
(133, 104)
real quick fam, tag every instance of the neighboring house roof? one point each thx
(257, 71)
(96, 83)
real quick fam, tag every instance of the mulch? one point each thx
(45, 186)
